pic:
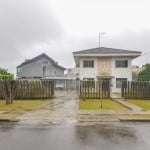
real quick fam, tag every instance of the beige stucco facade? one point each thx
(104, 66)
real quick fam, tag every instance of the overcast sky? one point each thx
(59, 27)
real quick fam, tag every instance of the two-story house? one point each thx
(106, 63)
(41, 66)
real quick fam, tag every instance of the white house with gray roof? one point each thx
(106, 64)
(41, 66)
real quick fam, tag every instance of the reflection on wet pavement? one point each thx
(97, 137)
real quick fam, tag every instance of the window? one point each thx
(88, 82)
(19, 69)
(88, 63)
(44, 62)
(119, 82)
(88, 79)
(44, 71)
(121, 63)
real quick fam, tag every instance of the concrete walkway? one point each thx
(117, 98)
(128, 105)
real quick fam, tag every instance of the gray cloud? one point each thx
(24, 23)
(128, 40)
(30, 27)
(131, 40)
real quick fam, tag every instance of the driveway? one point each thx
(60, 110)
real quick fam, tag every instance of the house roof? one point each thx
(40, 56)
(105, 50)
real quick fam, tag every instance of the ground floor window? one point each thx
(88, 83)
(88, 79)
(119, 82)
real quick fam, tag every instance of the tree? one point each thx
(8, 85)
(4, 75)
(144, 75)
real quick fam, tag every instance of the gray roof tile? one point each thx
(104, 50)
(38, 57)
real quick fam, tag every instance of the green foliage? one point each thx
(22, 105)
(145, 104)
(144, 75)
(4, 75)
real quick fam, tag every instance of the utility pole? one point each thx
(100, 37)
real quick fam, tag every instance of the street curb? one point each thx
(114, 120)
(9, 120)
(135, 120)
(98, 120)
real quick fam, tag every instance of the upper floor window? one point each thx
(19, 69)
(45, 62)
(121, 63)
(88, 63)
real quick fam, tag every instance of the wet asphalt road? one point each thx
(97, 137)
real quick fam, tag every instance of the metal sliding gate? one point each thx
(66, 88)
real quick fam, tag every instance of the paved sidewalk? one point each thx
(112, 116)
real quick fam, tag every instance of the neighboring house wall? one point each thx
(40, 68)
(30, 70)
(57, 72)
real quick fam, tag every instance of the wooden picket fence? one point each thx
(136, 90)
(40, 89)
(95, 89)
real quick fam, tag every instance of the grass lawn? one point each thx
(145, 104)
(21, 105)
(96, 105)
